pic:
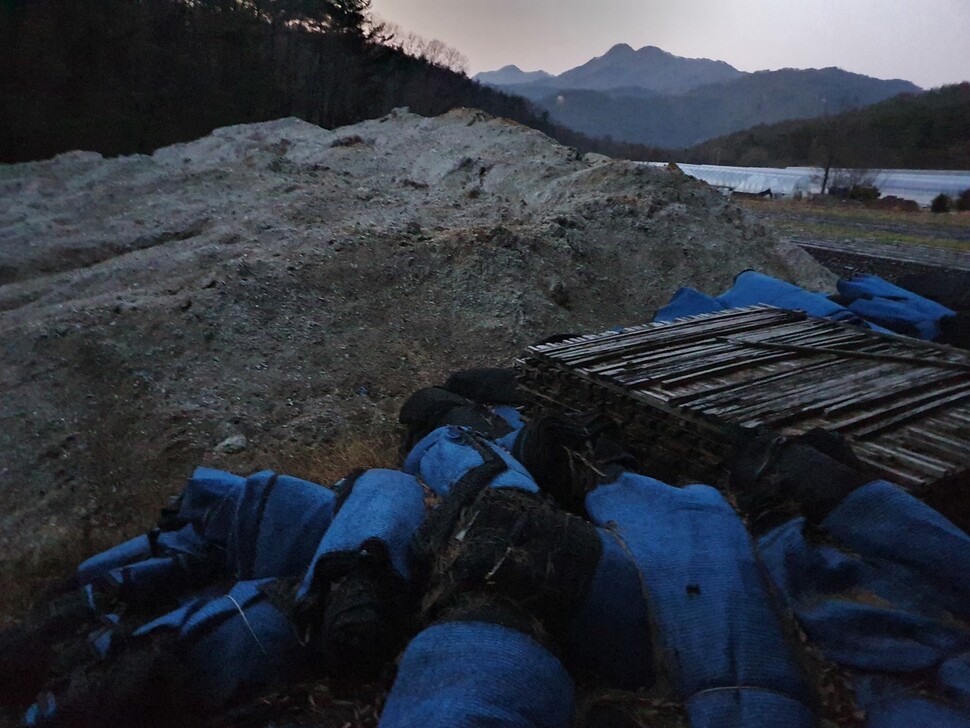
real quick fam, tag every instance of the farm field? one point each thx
(851, 223)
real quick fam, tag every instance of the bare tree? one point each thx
(455, 60)
(433, 51)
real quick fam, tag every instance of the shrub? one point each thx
(963, 201)
(941, 203)
(863, 193)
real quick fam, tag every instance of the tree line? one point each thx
(130, 76)
(919, 131)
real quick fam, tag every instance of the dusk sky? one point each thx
(924, 41)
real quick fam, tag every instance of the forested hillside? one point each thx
(925, 131)
(684, 119)
(121, 77)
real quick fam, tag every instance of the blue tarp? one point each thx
(449, 453)
(207, 507)
(895, 308)
(510, 414)
(263, 526)
(153, 581)
(478, 675)
(688, 301)
(209, 503)
(278, 523)
(887, 593)
(727, 654)
(147, 569)
(379, 517)
(873, 303)
(751, 288)
(132, 550)
(514, 419)
(611, 635)
(233, 643)
(870, 286)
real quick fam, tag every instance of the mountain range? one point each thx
(511, 76)
(649, 96)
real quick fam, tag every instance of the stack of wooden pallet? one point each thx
(687, 391)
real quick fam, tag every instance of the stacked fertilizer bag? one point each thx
(638, 583)
(246, 584)
(516, 572)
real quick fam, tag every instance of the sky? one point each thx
(923, 41)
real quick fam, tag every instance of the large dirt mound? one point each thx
(290, 284)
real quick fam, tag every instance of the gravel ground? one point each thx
(286, 286)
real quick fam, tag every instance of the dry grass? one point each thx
(827, 231)
(834, 221)
(56, 552)
(122, 513)
(26, 579)
(331, 462)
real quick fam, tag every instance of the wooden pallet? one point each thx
(688, 390)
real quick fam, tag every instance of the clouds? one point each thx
(924, 41)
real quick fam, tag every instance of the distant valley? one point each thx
(652, 97)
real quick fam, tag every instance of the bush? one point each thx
(941, 203)
(963, 201)
(863, 193)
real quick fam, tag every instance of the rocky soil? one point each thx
(273, 288)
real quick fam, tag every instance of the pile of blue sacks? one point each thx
(668, 593)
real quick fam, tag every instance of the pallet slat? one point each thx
(905, 404)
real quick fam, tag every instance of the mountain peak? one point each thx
(620, 49)
(650, 68)
(510, 75)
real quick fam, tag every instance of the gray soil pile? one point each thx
(272, 287)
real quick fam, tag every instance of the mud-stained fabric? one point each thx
(566, 454)
(774, 477)
(458, 464)
(726, 651)
(518, 547)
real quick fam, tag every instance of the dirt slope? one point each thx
(292, 284)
